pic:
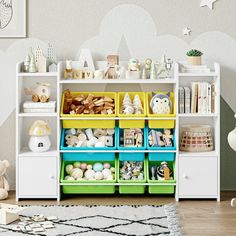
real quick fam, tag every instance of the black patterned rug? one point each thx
(103, 221)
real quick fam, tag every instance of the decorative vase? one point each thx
(39, 143)
(232, 139)
(195, 61)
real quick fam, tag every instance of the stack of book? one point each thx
(199, 98)
(194, 69)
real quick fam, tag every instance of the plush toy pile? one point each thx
(84, 171)
(131, 170)
(157, 138)
(129, 108)
(161, 172)
(89, 137)
(132, 138)
(88, 104)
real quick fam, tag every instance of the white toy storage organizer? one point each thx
(38, 174)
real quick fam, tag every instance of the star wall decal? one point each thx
(186, 31)
(209, 3)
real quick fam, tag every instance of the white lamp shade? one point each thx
(39, 128)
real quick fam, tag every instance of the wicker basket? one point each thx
(196, 138)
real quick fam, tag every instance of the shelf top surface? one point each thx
(37, 74)
(25, 152)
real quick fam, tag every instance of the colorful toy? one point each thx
(132, 138)
(84, 171)
(131, 170)
(134, 65)
(41, 93)
(4, 186)
(129, 108)
(163, 171)
(159, 138)
(160, 103)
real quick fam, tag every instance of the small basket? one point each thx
(196, 138)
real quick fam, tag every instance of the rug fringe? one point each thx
(173, 220)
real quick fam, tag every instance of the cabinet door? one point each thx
(37, 176)
(198, 177)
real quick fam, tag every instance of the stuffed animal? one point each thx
(161, 103)
(4, 186)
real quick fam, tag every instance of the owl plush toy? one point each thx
(161, 103)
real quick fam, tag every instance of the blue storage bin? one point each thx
(88, 156)
(63, 147)
(119, 132)
(159, 148)
(161, 156)
(132, 156)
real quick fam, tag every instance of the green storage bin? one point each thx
(160, 189)
(75, 188)
(132, 188)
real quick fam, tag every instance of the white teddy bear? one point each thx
(4, 186)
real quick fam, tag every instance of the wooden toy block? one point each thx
(77, 74)
(88, 74)
(68, 74)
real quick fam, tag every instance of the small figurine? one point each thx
(68, 72)
(153, 73)
(32, 65)
(148, 64)
(26, 63)
(162, 70)
(167, 137)
(112, 62)
(127, 107)
(164, 172)
(161, 103)
(144, 74)
(134, 65)
(41, 93)
(137, 104)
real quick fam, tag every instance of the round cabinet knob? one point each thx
(185, 176)
(52, 177)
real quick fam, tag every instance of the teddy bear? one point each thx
(4, 186)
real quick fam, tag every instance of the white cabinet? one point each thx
(198, 177)
(37, 177)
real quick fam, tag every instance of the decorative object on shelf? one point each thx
(9, 213)
(132, 170)
(137, 104)
(89, 137)
(39, 136)
(186, 31)
(86, 60)
(88, 104)
(153, 72)
(4, 186)
(194, 57)
(144, 74)
(169, 65)
(32, 65)
(133, 69)
(196, 138)
(83, 171)
(98, 74)
(162, 68)
(112, 63)
(51, 54)
(52, 67)
(161, 138)
(148, 64)
(41, 93)
(164, 172)
(161, 103)
(13, 19)
(26, 63)
(132, 138)
(208, 3)
(232, 138)
(68, 72)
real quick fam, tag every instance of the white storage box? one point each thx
(9, 213)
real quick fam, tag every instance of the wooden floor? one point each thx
(204, 217)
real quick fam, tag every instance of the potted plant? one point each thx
(194, 57)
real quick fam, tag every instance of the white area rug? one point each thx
(105, 220)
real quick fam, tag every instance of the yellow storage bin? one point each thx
(165, 123)
(129, 123)
(91, 122)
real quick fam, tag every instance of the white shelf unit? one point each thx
(199, 172)
(207, 186)
(36, 173)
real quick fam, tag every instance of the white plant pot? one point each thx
(39, 143)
